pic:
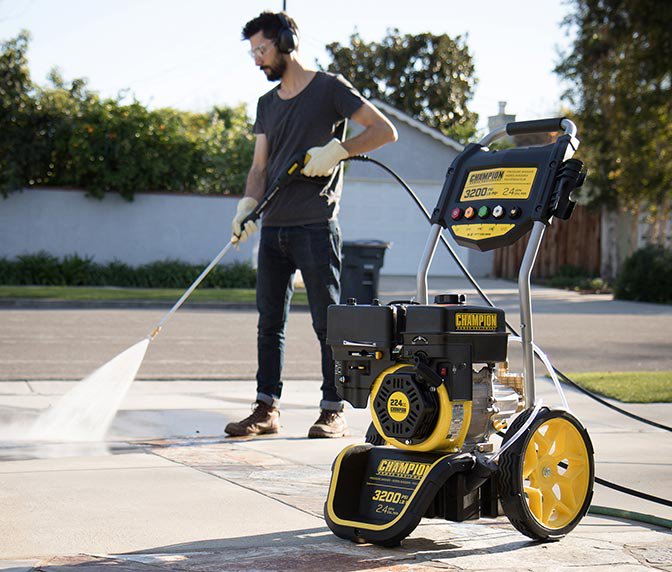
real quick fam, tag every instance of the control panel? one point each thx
(490, 199)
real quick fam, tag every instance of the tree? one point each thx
(620, 69)
(228, 147)
(16, 106)
(65, 135)
(430, 77)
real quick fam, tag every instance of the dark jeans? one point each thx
(315, 249)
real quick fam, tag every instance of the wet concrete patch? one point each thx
(30, 450)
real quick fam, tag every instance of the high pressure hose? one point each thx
(553, 372)
(518, 434)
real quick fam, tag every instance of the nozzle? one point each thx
(155, 332)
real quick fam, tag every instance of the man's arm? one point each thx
(254, 191)
(378, 131)
(256, 178)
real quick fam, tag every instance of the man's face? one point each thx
(267, 56)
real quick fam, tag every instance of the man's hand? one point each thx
(245, 206)
(323, 160)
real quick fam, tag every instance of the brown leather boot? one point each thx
(329, 424)
(264, 419)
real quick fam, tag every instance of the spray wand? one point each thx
(288, 174)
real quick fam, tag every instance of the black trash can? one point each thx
(360, 271)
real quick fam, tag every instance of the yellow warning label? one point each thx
(481, 231)
(503, 183)
(476, 322)
(398, 406)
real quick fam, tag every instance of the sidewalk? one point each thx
(167, 491)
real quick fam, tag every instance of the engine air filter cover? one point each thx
(405, 407)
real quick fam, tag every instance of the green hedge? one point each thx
(43, 269)
(65, 135)
(646, 276)
(570, 277)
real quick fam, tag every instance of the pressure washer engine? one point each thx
(429, 372)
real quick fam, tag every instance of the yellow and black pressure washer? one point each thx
(433, 379)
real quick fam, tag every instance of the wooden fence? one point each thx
(575, 242)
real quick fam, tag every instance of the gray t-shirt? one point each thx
(310, 119)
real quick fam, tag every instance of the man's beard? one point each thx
(276, 70)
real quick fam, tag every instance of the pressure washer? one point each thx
(434, 375)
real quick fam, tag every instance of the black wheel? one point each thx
(545, 479)
(373, 437)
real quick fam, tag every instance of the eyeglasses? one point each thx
(260, 50)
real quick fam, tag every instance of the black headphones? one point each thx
(287, 40)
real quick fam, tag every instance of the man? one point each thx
(306, 111)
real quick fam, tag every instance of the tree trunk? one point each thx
(609, 265)
(660, 225)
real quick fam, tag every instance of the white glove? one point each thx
(323, 160)
(245, 206)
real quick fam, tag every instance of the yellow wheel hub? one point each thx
(556, 473)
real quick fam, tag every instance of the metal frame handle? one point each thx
(531, 251)
(425, 263)
(526, 331)
(535, 126)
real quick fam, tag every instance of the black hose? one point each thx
(472, 280)
(610, 405)
(632, 492)
(627, 490)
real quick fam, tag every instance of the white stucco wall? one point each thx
(153, 227)
(193, 228)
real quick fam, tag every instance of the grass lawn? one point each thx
(629, 387)
(83, 293)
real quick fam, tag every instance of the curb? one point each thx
(37, 304)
